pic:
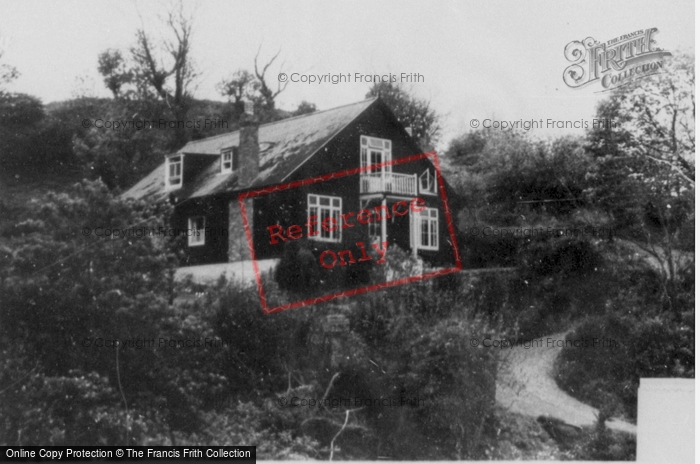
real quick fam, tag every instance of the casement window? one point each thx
(195, 231)
(428, 229)
(229, 160)
(324, 218)
(428, 182)
(173, 172)
(375, 151)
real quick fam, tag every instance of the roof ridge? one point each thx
(318, 112)
(277, 122)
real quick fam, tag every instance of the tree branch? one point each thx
(347, 416)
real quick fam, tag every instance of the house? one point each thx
(204, 179)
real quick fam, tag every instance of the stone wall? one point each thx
(238, 249)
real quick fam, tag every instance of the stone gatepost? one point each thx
(329, 338)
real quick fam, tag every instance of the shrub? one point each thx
(419, 336)
(458, 384)
(608, 375)
(479, 250)
(571, 256)
(298, 269)
(253, 424)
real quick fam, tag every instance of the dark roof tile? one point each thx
(284, 146)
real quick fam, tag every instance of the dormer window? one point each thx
(428, 182)
(229, 160)
(173, 172)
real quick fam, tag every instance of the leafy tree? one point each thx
(304, 108)
(466, 150)
(35, 139)
(239, 86)
(644, 174)
(113, 67)
(120, 157)
(411, 111)
(662, 118)
(504, 174)
(21, 116)
(64, 288)
(7, 73)
(20, 110)
(244, 85)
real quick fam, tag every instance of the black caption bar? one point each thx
(125, 453)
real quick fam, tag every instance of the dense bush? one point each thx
(607, 374)
(561, 256)
(72, 301)
(559, 280)
(419, 336)
(481, 250)
(261, 349)
(300, 273)
(298, 270)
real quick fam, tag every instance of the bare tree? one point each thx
(268, 95)
(171, 83)
(256, 87)
(156, 71)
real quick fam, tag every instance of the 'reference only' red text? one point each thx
(330, 224)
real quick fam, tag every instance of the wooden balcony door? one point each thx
(376, 152)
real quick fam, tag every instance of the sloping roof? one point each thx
(284, 146)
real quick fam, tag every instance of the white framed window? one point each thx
(427, 182)
(173, 172)
(229, 160)
(428, 229)
(195, 231)
(324, 218)
(375, 151)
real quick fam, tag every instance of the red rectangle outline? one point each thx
(357, 291)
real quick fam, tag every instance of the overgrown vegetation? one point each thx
(637, 338)
(97, 347)
(108, 349)
(626, 192)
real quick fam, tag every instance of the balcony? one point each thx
(389, 182)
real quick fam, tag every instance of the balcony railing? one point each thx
(389, 182)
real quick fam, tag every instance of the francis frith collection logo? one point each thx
(615, 62)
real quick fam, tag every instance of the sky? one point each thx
(497, 60)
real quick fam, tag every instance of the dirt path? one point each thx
(526, 386)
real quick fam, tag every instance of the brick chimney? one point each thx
(248, 149)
